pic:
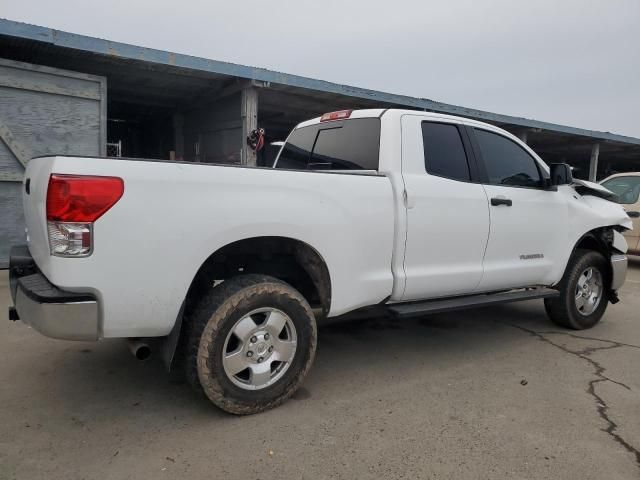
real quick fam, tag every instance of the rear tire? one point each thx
(251, 342)
(583, 292)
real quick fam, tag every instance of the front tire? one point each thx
(251, 343)
(583, 292)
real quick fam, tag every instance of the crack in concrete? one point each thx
(601, 405)
(595, 339)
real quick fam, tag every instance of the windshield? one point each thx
(627, 188)
(342, 145)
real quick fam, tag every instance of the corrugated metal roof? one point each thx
(48, 36)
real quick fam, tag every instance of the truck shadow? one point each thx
(433, 339)
(103, 382)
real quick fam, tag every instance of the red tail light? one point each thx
(78, 198)
(339, 115)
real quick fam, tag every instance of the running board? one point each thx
(470, 301)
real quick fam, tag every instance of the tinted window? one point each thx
(507, 163)
(627, 188)
(347, 145)
(444, 153)
(297, 150)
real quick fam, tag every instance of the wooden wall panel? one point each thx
(43, 111)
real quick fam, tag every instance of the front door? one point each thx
(529, 223)
(447, 210)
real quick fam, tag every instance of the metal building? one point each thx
(62, 93)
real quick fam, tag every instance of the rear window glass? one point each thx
(347, 145)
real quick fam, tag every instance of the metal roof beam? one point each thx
(151, 56)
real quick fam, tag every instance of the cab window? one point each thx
(506, 162)
(444, 153)
(340, 145)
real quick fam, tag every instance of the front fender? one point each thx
(619, 242)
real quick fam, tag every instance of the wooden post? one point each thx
(593, 164)
(249, 114)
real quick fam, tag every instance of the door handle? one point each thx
(495, 201)
(633, 214)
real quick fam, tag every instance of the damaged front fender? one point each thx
(619, 243)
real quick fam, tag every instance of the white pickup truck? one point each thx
(232, 267)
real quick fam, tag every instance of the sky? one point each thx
(573, 62)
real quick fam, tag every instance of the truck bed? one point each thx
(174, 215)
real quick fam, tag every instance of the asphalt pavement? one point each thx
(492, 393)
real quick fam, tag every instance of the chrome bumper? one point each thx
(618, 271)
(52, 312)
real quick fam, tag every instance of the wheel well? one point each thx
(598, 240)
(287, 259)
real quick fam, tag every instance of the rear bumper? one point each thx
(618, 271)
(52, 312)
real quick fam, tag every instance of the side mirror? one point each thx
(560, 174)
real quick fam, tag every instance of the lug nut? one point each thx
(249, 353)
(253, 340)
(266, 336)
(271, 348)
(260, 360)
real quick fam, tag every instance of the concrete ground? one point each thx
(492, 393)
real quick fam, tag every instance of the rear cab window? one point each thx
(352, 144)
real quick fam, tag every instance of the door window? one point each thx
(507, 163)
(444, 153)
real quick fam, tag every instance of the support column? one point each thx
(178, 135)
(249, 114)
(593, 164)
(523, 136)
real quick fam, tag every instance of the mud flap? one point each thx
(169, 344)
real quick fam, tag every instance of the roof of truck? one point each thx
(379, 112)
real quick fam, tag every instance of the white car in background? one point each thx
(627, 187)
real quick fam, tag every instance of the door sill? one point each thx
(412, 309)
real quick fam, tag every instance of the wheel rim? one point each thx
(589, 291)
(259, 348)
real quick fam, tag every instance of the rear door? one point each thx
(447, 210)
(529, 223)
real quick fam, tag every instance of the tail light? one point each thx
(74, 203)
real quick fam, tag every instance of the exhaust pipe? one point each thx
(139, 349)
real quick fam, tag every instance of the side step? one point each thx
(412, 309)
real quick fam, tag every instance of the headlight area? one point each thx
(618, 242)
